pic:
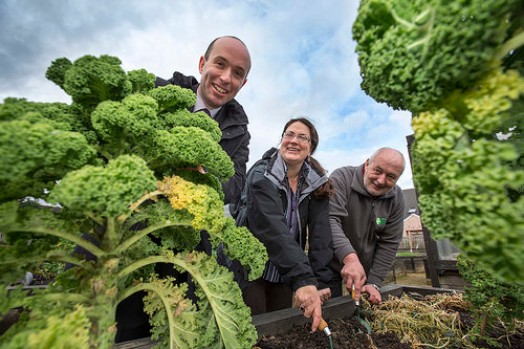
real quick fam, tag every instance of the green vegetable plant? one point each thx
(412, 53)
(458, 67)
(494, 302)
(110, 172)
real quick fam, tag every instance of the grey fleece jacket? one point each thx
(370, 226)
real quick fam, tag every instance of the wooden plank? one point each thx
(277, 322)
(432, 253)
(143, 343)
(426, 290)
(445, 264)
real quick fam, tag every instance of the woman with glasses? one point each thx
(285, 204)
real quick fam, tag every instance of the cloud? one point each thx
(302, 52)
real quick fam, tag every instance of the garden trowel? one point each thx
(360, 319)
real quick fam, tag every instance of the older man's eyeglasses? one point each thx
(302, 138)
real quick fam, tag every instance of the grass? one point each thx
(412, 279)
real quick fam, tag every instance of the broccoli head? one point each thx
(412, 53)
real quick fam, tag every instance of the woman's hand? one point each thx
(307, 299)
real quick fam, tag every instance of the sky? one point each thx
(303, 62)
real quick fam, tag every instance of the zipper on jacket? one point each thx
(372, 217)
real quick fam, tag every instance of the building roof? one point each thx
(410, 198)
(412, 223)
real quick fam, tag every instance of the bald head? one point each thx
(223, 69)
(209, 49)
(390, 155)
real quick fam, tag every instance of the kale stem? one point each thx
(134, 206)
(142, 263)
(111, 232)
(402, 21)
(140, 234)
(66, 297)
(422, 16)
(510, 45)
(108, 156)
(158, 291)
(90, 247)
(64, 259)
(428, 28)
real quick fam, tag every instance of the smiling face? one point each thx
(382, 171)
(223, 72)
(296, 144)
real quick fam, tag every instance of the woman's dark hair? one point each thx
(327, 188)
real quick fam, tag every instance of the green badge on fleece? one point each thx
(381, 221)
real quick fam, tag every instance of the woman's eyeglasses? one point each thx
(302, 138)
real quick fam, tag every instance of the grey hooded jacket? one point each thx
(262, 209)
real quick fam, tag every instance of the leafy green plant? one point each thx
(114, 165)
(457, 66)
(413, 53)
(465, 175)
(493, 301)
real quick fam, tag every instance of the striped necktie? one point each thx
(205, 110)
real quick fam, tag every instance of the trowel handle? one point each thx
(323, 326)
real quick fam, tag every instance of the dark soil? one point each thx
(346, 333)
(498, 333)
(349, 333)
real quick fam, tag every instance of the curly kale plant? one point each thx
(465, 175)
(457, 66)
(115, 166)
(412, 53)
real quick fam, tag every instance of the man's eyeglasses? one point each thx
(302, 138)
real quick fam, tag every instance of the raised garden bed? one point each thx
(281, 322)
(417, 317)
